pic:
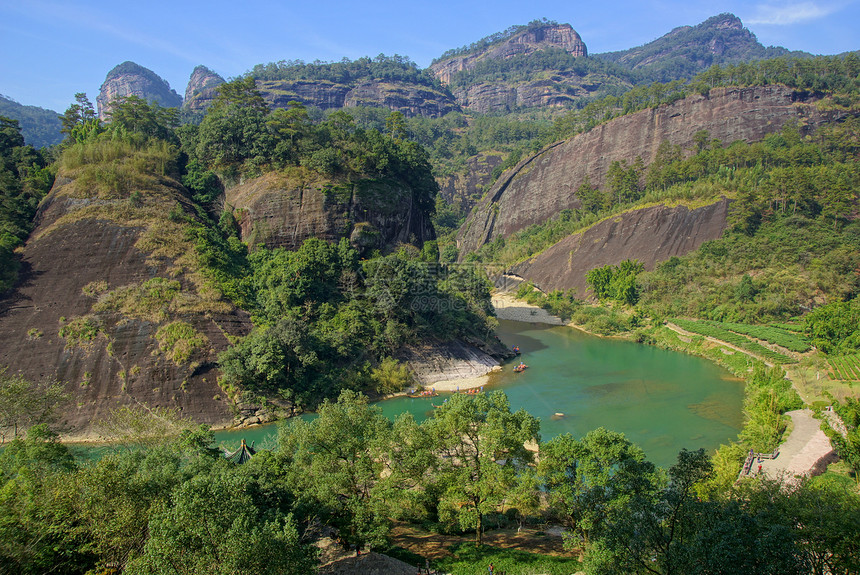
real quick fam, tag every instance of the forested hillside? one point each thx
(286, 246)
(40, 127)
(687, 50)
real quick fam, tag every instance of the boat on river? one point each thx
(423, 394)
(520, 368)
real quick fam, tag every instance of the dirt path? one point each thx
(435, 545)
(805, 450)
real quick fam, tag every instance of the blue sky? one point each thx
(50, 49)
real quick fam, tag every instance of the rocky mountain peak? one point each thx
(130, 79)
(529, 40)
(202, 88)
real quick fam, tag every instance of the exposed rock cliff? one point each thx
(650, 235)
(539, 38)
(541, 88)
(410, 99)
(466, 188)
(542, 185)
(283, 211)
(202, 89)
(558, 90)
(120, 282)
(445, 361)
(130, 79)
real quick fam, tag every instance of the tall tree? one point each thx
(590, 481)
(480, 448)
(337, 461)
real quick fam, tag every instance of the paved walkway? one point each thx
(802, 451)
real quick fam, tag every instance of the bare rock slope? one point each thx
(130, 79)
(542, 185)
(112, 303)
(283, 211)
(202, 89)
(650, 235)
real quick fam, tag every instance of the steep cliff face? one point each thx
(466, 188)
(282, 211)
(544, 184)
(111, 303)
(130, 79)
(410, 99)
(649, 235)
(202, 89)
(543, 87)
(561, 36)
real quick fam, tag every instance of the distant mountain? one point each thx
(202, 89)
(687, 50)
(392, 82)
(130, 79)
(542, 64)
(516, 41)
(39, 126)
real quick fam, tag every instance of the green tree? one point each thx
(135, 115)
(590, 481)
(480, 449)
(37, 523)
(846, 440)
(390, 376)
(79, 114)
(23, 404)
(337, 461)
(213, 524)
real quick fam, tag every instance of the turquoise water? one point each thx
(661, 400)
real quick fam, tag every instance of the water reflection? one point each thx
(661, 400)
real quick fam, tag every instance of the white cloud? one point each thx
(786, 14)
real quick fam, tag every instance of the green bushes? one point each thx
(178, 340)
(716, 331)
(768, 396)
(616, 283)
(835, 328)
(784, 338)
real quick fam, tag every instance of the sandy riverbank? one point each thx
(509, 307)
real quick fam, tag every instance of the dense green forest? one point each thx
(381, 68)
(329, 319)
(165, 501)
(39, 126)
(686, 50)
(25, 178)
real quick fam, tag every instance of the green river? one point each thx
(661, 400)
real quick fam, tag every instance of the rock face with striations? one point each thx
(649, 235)
(465, 188)
(130, 79)
(202, 89)
(410, 99)
(542, 185)
(111, 303)
(544, 88)
(561, 36)
(282, 211)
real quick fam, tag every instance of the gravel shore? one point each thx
(509, 307)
